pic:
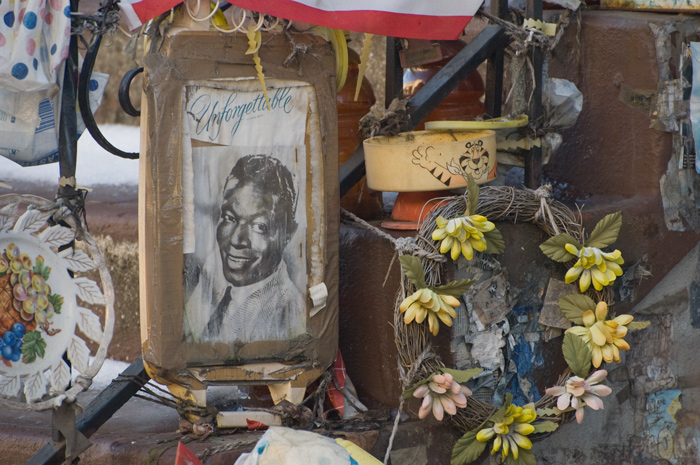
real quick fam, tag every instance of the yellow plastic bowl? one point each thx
(429, 160)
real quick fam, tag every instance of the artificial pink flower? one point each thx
(579, 392)
(441, 394)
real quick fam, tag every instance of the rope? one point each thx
(544, 193)
(403, 245)
(406, 379)
(229, 446)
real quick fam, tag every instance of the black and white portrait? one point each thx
(246, 280)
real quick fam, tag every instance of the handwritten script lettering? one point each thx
(217, 110)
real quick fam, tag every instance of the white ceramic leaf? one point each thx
(89, 291)
(7, 216)
(9, 210)
(77, 260)
(9, 385)
(5, 222)
(89, 324)
(56, 236)
(60, 376)
(35, 386)
(32, 221)
(78, 354)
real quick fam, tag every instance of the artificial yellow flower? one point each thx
(594, 266)
(463, 234)
(511, 433)
(426, 302)
(604, 338)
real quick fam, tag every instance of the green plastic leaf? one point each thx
(408, 393)
(454, 288)
(573, 306)
(413, 269)
(33, 346)
(545, 427)
(494, 241)
(577, 355)
(606, 231)
(548, 412)
(499, 414)
(637, 325)
(554, 247)
(462, 376)
(525, 457)
(467, 449)
(472, 195)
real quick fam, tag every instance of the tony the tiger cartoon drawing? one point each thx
(475, 160)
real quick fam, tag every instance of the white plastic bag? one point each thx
(285, 446)
(36, 142)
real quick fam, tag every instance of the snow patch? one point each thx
(95, 164)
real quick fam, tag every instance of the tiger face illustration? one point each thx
(475, 158)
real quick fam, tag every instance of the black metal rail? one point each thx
(533, 159)
(490, 40)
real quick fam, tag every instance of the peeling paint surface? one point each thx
(666, 439)
(527, 358)
(666, 5)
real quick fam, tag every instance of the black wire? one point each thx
(84, 87)
(84, 103)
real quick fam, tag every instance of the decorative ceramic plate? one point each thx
(40, 309)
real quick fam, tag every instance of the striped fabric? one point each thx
(419, 19)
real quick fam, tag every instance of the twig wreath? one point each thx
(462, 225)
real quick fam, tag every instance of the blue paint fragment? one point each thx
(527, 359)
(523, 310)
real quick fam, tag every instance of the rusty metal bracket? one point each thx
(96, 414)
(65, 434)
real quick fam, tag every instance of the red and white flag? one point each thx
(415, 19)
(138, 12)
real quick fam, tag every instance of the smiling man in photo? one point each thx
(256, 300)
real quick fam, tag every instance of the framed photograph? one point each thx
(238, 213)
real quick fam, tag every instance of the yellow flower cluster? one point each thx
(594, 266)
(426, 302)
(511, 433)
(604, 338)
(463, 234)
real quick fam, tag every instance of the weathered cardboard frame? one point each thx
(197, 56)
